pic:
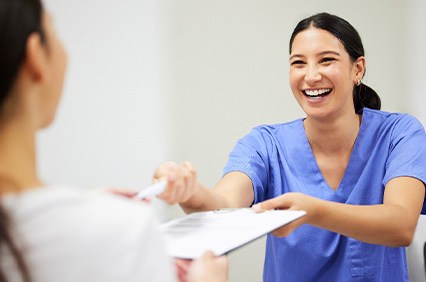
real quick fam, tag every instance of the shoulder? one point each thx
(277, 130)
(274, 128)
(67, 202)
(397, 123)
(69, 213)
(267, 136)
(390, 117)
(83, 233)
(264, 136)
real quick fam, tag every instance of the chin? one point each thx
(317, 113)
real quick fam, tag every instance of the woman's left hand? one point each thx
(290, 201)
(182, 267)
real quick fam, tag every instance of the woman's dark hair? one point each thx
(18, 19)
(363, 95)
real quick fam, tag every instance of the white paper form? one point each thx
(221, 231)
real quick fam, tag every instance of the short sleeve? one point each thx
(407, 154)
(250, 157)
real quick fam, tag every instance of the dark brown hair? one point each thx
(18, 19)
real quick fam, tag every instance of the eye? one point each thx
(296, 63)
(327, 60)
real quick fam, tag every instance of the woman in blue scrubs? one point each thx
(359, 172)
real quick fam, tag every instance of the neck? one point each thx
(335, 136)
(17, 157)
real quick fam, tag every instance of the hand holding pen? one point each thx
(181, 181)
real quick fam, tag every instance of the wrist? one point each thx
(317, 211)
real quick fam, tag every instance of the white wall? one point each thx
(110, 129)
(183, 80)
(413, 97)
(228, 64)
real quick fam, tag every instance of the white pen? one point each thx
(152, 190)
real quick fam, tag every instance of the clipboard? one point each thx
(221, 231)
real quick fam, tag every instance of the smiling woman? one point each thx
(351, 166)
(363, 95)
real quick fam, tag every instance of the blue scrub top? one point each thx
(279, 159)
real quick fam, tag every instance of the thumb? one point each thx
(275, 203)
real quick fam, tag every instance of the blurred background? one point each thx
(156, 80)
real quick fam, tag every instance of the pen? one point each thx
(152, 190)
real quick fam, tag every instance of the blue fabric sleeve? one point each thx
(250, 157)
(407, 152)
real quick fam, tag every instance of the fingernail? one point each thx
(257, 207)
(171, 177)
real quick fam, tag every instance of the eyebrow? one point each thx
(321, 54)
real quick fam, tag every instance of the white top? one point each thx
(72, 235)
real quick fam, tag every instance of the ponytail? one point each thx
(365, 96)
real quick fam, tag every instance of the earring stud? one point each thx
(358, 82)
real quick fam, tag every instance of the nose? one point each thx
(312, 74)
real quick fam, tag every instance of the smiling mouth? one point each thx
(317, 93)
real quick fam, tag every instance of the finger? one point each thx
(190, 168)
(182, 264)
(288, 228)
(208, 255)
(183, 183)
(192, 181)
(163, 170)
(168, 194)
(258, 207)
(188, 173)
(182, 268)
(223, 262)
(280, 202)
(263, 206)
(122, 192)
(179, 186)
(170, 172)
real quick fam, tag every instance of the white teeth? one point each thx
(316, 92)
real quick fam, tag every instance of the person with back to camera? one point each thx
(58, 233)
(359, 172)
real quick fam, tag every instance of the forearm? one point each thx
(234, 190)
(204, 199)
(385, 224)
(392, 223)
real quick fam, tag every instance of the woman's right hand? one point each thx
(209, 268)
(181, 181)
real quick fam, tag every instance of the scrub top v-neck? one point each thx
(278, 159)
(307, 167)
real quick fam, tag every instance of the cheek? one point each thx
(61, 61)
(295, 79)
(339, 75)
